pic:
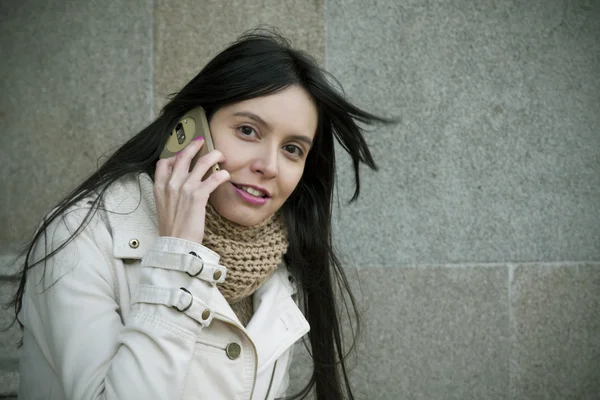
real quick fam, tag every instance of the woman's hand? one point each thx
(181, 196)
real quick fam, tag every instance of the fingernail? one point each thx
(199, 138)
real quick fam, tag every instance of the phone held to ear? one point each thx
(192, 125)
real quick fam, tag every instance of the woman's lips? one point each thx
(249, 197)
(263, 192)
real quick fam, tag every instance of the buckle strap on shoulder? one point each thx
(190, 263)
(179, 298)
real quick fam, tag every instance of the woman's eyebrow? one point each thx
(301, 138)
(268, 127)
(254, 117)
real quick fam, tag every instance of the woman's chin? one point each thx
(239, 216)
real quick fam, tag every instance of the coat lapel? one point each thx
(277, 322)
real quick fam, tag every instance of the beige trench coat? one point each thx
(124, 314)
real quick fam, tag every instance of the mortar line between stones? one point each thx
(151, 61)
(324, 20)
(545, 264)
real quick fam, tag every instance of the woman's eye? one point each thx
(294, 150)
(246, 130)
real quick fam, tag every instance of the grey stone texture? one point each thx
(9, 378)
(496, 157)
(556, 332)
(75, 83)
(10, 332)
(186, 41)
(10, 335)
(429, 333)
(520, 332)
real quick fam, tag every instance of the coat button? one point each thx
(206, 314)
(134, 243)
(217, 275)
(233, 351)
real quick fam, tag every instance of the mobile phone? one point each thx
(192, 125)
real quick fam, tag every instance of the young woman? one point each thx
(150, 282)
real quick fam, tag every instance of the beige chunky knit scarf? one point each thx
(250, 254)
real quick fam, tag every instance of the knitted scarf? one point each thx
(250, 254)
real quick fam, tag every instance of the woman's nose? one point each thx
(266, 163)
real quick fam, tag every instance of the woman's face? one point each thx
(265, 142)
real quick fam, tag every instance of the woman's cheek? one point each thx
(295, 181)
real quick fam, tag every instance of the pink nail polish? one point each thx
(199, 138)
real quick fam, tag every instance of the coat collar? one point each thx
(131, 212)
(277, 322)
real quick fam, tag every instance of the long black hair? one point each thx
(259, 63)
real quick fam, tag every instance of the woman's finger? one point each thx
(214, 181)
(165, 211)
(204, 164)
(183, 160)
(162, 171)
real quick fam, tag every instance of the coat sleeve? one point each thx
(70, 309)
